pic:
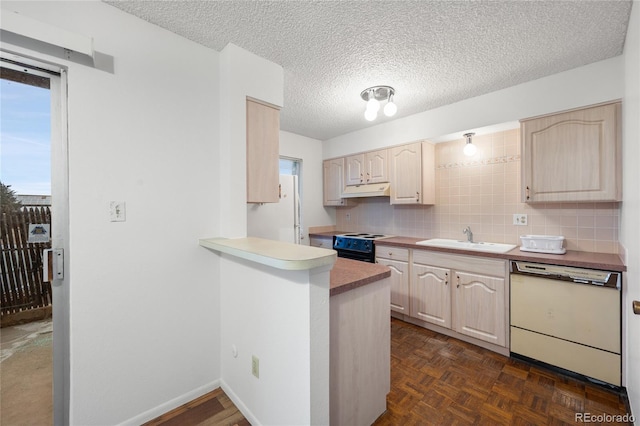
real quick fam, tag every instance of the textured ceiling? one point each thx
(432, 52)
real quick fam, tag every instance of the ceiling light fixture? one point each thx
(469, 147)
(373, 96)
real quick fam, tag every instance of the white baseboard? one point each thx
(239, 404)
(175, 403)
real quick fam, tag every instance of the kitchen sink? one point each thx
(466, 245)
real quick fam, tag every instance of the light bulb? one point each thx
(370, 114)
(373, 104)
(390, 109)
(469, 149)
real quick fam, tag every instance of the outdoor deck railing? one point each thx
(21, 278)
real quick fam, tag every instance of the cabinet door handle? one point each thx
(361, 178)
(458, 276)
(368, 177)
(417, 197)
(636, 307)
(446, 278)
(527, 192)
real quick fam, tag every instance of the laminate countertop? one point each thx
(345, 275)
(581, 259)
(277, 254)
(348, 274)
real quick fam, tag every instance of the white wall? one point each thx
(629, 227)
(310, 152)
(144, 297)
(597, 82)
(282, 318)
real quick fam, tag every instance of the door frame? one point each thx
(297, 187)
(60, 240)
(57, 76)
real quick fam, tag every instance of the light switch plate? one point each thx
(117, 211)
(255, 366)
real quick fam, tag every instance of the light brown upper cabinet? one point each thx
(412, 173)
(263, 137)
(370, 167)
(573, 156)
(333, 182)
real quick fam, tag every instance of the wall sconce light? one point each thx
(469, 147)
(373, 95)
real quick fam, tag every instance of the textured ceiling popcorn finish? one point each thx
(433, 53)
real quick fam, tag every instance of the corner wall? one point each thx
(144, 296)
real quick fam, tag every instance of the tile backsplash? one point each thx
(483, 192)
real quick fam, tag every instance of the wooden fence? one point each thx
(21, 276)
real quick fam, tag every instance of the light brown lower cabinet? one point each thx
(397, 260)
(479, 306)
(430, 288)
(461, 296)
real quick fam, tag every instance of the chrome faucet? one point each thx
(467, 231)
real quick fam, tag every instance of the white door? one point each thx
(277, 221)
(59, 222)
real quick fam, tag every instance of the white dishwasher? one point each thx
(568, 317)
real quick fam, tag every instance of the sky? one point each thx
(25, 138)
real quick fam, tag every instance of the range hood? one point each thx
(367, 190)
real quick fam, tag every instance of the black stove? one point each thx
(357, 246)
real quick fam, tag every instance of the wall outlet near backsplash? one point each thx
(519, 219)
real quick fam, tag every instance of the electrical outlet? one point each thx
(519, 219)
(117, 211)
(348, 216)
(255, 366)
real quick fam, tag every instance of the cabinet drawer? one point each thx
(458, 262)
(388, 252)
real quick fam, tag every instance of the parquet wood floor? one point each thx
(439, 380)
(212, 409)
